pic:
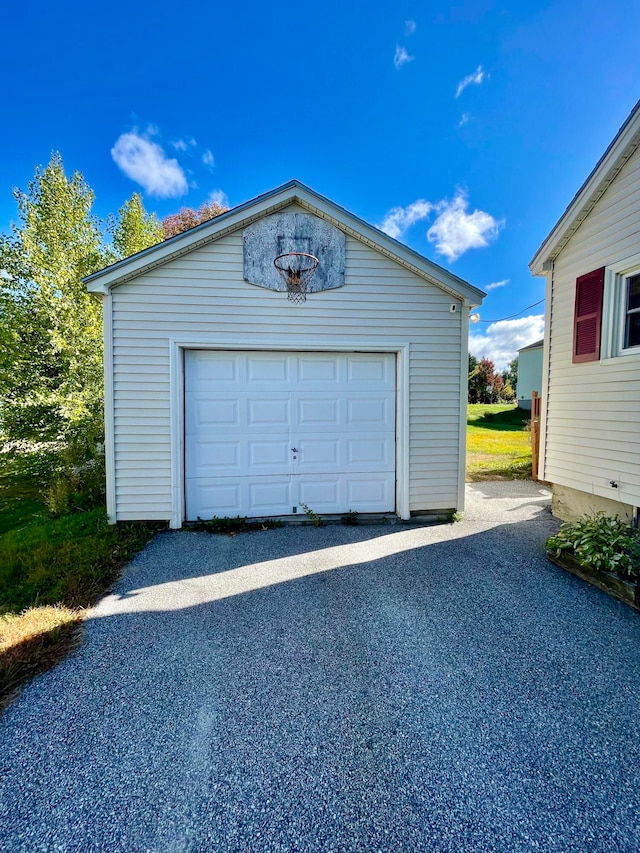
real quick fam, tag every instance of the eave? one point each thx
(606, 170)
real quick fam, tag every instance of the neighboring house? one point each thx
(529, 373)
(222, 397)
(590, 423)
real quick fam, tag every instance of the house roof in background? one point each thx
(290, 193)
(537, 345)
(623, 145)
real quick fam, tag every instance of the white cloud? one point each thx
(401, 57)
(464, 119)
(179, 145)
(455, 231)
(409, 28)
(207, 158)
(146, 163)
(399, 219)
(478, 77)
(501, 341)
(496, 284)
(219, 197)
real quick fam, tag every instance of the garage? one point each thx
(283, 355)
(270, 433)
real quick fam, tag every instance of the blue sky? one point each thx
(464, 129)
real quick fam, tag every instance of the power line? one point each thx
(511, 316)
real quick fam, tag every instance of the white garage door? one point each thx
(266, 432)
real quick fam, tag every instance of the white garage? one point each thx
(233, 389)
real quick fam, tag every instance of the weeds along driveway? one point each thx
(343, 688)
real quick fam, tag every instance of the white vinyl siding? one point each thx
(203, 297)
(593, 409)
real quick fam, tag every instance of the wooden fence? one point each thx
(535, 433)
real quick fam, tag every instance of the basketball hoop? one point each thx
(296, 268)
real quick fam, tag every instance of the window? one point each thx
(606, 319)
(632, 312)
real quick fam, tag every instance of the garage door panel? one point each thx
(269, 454)
(201, 411)
(321, 493)
(265, 412)
(213, 497)
(352, 409)
(370, 411)
(368, 493)
(238, 496)
(313, 412)
(315, 369)
(371, 369)
(319, 452)
(369, 452)
(271, 368)
(210, 371)
(269, 496)
(207, 457)
(327, 493)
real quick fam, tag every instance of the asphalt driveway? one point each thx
(381, 688)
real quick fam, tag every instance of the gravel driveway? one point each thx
(382, 688)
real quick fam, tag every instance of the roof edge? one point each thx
(289, 193)
(535, 345)
(619, 150)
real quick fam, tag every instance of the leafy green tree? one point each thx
(511, 373)
(508, 394)
(133, 229)
(472, 387)
(51, 340)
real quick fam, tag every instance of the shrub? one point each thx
(602, 542)
(76, 481)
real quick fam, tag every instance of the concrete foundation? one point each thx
(571, 504)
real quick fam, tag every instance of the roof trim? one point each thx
(270, 202)
(621, 148)
(536, 345)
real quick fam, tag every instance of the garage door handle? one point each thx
(294, 449)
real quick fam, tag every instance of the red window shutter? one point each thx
(588, 316)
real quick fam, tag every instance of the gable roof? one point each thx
(536, 345)
(623, 145)
(238, 217)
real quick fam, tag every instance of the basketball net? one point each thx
(296, 269)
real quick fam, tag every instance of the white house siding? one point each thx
(593, 409)
(529, 375)
(203, 296)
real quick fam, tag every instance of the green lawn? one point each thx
(498, 442)
(51, 569)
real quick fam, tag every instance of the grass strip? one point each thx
(70, 560)
(498, 443)
(33, 642)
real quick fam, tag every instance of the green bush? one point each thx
(602, 542)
